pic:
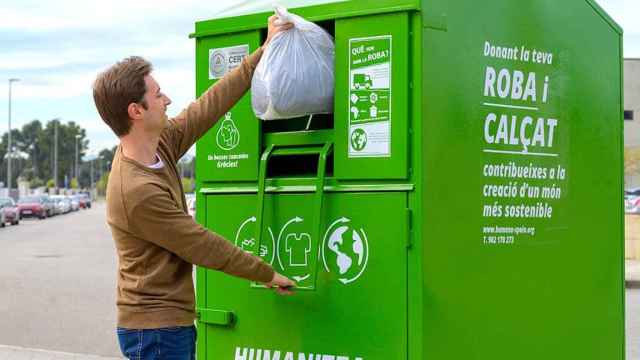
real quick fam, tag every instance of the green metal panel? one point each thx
(333, 319)
(289, 185)
(458, 278)
(321, 12)
(241, 8)
(371, 106)
(492, 292)
(229, 151)
(415, 260)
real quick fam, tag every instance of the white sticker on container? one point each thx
(223, 60)
(370, 97)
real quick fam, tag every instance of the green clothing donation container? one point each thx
(463, 201)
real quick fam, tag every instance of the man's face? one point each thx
(155, 117)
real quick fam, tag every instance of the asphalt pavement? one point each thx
(61, 276)
(632, 273)
(632, 315)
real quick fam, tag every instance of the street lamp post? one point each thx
(9, 153)
(31, 148)
(76, 172)
(99, 167)
(55, 152)
(91, 182)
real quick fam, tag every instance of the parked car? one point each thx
(75, 203)
(632, 201)
(67, 204)
(32, 206)
(10, 212)
(83, 200)
(48, 205)
(87, 200)
(63, 205)
(51, 206)
(191, 204)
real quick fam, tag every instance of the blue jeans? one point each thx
(173, 343)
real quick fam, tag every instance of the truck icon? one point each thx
(362, 81)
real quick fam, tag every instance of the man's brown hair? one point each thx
(119, 86)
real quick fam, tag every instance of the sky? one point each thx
(57, 48)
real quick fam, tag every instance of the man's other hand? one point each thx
(275, 26)
(281, 284)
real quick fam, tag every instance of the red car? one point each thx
(10, 211)
(32, 206)
(83, 201)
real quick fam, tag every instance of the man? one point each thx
(157, 241)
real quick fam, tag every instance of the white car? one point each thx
(191, 204)
(75, 204)
(632, 201)
(63, 205)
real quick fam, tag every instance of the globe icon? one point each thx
(358, 139)
(346, 251)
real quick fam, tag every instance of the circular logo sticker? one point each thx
(217, 64)
(358, 139)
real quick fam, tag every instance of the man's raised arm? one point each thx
(202, 114)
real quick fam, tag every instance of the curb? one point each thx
(18, 352)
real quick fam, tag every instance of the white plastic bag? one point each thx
(295, 76)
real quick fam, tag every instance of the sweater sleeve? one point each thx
(159, 221)
(202, 114)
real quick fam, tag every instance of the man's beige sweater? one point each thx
(157, 241)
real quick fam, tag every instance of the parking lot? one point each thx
(58, 280)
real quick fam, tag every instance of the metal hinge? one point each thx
(409, 229)
(215, 317)
(435, 21)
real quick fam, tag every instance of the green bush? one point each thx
(101, 185)
(36, 182)
(188, 185)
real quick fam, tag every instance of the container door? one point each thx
(351, 305)
(371, 99)
(229, 150)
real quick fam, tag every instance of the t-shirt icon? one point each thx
(298, 246)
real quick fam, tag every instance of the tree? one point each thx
(106, 157)
(101, 185)
(97, 165)
(186, 166)
(33, 154)
(31, 135)
(66, 148)
(36, 182)
(17, 162)
(187, 185)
